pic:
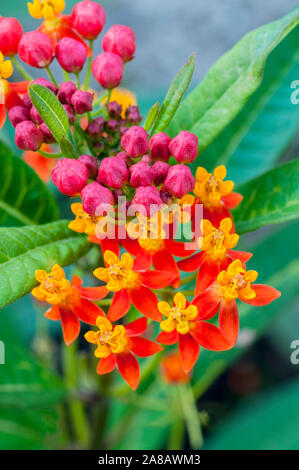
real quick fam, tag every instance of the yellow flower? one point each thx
(235, 282)
(210, 188)
(47, 9)
(109, 339)
(6, 68)
(179, 317)
(123, 97)
(149, 231)
(119, 274)
(215, 242)
(54, 288)
(84, 222)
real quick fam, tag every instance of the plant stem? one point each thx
(188, 279)
(19, 67)
(50, 155)
(88, 72)
(66, 76)
(176, 436)
(191, 415)
(78, 80)
(52, 78)
(76, 407)
(83, 136)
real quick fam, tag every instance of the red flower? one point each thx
(70, 301)
(186, 326)
(232, 284)
(117, 345)
(131, 285)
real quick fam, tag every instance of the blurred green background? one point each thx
(247, 396)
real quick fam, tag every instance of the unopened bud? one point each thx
(70, 176)
(113, 172)
(35, 48)
(135, 141)
(66, 91)
(179, 180)
(18, 114)
(184, 147)
(158, 145)
(107, 69)
(141, 175)
(96, 197)
(28, 136)
(71, 54)
(88, 18)
(120, 40)
(82, 101)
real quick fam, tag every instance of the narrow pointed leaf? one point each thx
(151, 117)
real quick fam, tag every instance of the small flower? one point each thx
(47, 9)
(231, 284)
(131, 285)
(11, 32)
(6, 68)
(117, 345)
(184, 324)
(70, 301)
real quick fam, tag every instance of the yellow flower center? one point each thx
(6, 68)
(210, 188)
(47, 9)
(119, 274)
(235, 282)
(215, 242)
(109, 339)
(179, 317)
(54, 288)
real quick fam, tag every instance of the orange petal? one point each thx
(167, 338)
(106, 365)
(209, 336)
(264, 295)
(53, 313)
(136, 327)
(77, 281)
(111, 245)
(164, 261)
(131, 246)
(146, 302)
(207, 275)
(93, 293)
(121, 304)
(2, 115)
(129, 369)
(189, 350)
(143, 260)
(177, 248)
(207, 304)
(229, 321)
(192, 264)
(70, 326)
(244, 256)
(232, 200)
(142, 347)
(87, 311)
(157, 279)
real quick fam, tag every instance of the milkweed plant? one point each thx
(156, 219)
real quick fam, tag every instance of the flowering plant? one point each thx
(151, 200)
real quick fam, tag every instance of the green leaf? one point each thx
(51, 111)
(151, 117)
(230, 82)
(263, 129)
(268, 199)
(23, 250)
(67, 148)
(275, 414)
(24, 198)
(174, 95)
(26, 383)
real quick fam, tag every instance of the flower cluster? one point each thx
(122, 169)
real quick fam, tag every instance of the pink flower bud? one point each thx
(35, 48)
(141, 175)
(34, 115)
(158, 145)
(113, 172)
(161, 170)
(146, 197)
(28, 136)
(44, 82)
(93, 129)
(70, 113)
(71, 54)
(82, 101)
(184, 147)
(120, 40)
(135, 141)
(11, 32)
(96, 197)
(107, 69)
(70, 176)
(48, 137)
(66, 91)
(88, 18)
(27, 101)
(179, 180)
(123, 156)
(91, 164)
(18, 114)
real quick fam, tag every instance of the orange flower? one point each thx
(70, 301)
(42, 165)
(215, 194)
(216, 253)
(130, 284)
(117, 345)
(172, 369)
(185, 325)
(231, 284)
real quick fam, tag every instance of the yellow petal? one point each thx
(167, 325)
(179, 300)
(251, 276)
(220, 172)
(201, 174)
(35, 10)
(111, 258)
(40, 275)
(191, 312)
(6, 69)
(102, 274)
(103, 323)
(206, 227)
(91, 337)
(127, 261)
(164, 307)
(226, 224)
(226, 187)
